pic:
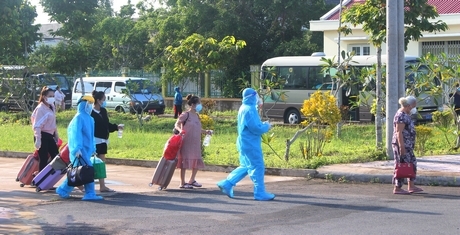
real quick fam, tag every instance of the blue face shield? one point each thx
(103, 104)
(88, 108)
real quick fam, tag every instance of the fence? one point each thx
(188, 86)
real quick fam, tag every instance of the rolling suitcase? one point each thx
(30, 166)
(167, 164)
(50, 175)
(163, 173)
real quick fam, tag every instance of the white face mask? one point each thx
(50, 100)
(413, 111)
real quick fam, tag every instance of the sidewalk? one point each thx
(432, 170)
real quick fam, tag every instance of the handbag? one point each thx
(100, 171)
(80, 174)
(175, 131)
(404, 170)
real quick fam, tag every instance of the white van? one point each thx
(145, 96)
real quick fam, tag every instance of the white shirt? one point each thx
(59, 96)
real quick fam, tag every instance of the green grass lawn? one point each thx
(356, 144)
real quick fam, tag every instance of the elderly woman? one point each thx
(403, 142)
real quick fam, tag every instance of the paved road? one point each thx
(301, 207)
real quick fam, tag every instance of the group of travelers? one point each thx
(88, 133)
(89, 130)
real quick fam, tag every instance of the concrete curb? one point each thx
(213, 168)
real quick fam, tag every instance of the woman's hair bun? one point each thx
(94, 92)
(189, 96)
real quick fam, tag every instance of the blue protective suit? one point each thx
(177, 96)
(81, 141)
(250, 130)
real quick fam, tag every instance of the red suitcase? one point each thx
(30, 166)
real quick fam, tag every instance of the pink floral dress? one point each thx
(190, 153)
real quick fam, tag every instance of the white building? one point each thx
(49, 39)
(447, 41)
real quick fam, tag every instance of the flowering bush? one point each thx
(321, 110)
(207, 123)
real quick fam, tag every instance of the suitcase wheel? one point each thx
(17, 179)
(38, 189)
(21, 185)
(161, 188)
(150, 185)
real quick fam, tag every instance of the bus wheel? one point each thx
(292, 116)
(120, 109)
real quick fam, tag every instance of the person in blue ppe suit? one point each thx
(177, 102)
(250, 130)
(81, 144)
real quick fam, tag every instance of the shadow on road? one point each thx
(165, 202)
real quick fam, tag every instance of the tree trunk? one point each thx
(378, 112)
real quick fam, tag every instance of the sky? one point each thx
(43, 17)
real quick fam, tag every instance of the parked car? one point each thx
(123, 94)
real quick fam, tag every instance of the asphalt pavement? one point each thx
(133, 177)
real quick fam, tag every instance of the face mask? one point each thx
(88, 108)
(50, 100)
(199, 107)
(413, 111)
(103, 104)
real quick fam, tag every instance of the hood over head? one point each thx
(177, 89)
(250, 96)
(84, 102)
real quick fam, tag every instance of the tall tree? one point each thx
(19, 35)
(372, 16)
(77, 18)
(197, 54)
(269, 28)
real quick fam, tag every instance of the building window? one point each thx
(450, 48)
(361, 49)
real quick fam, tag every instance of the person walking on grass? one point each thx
(248, 142)
(190, 154)
(102, 129)
(43, 120)
(403, 142)
(60, 97)
(177, 102)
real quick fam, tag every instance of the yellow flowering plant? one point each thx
(207, 123)
(322, 112)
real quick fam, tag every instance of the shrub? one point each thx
(209, 106)
(423, 134)
(321, 110)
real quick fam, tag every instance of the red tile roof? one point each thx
(443, 7)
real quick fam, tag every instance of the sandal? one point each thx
(186, 186)
(196, 184)
(401, 191)
(415, 190)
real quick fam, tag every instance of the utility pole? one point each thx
(395, 80)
